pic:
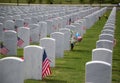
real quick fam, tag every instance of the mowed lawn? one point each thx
(71, 68)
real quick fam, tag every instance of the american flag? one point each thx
(20, 42)
(3, 50)
(45, 66)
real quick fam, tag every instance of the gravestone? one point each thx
(2, 19)
(110, 24)
(105, 44)
(11, 70)
(9, 25)
(10, 42)
(55, 25)
(27, 21)
(34, 19)
(24, 34)
(102, 54)
(15, 17)
(67, 36)
(49, 26)
(19, 23)
(72, 28)
(34, 33)
(8, 17)
(98, 72)
(106, 37)
(60, 22)
(43, 29)
(107, 31)
(109, 27)
(79, 27)
(1, 31)
(49, 45)
(33, 62)
(59, 38)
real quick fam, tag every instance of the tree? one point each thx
(91, 1)
(81, 1)
(40, 1)
(31, 1)
(49, 1)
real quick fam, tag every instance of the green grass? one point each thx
(116, 53)
(71, 68)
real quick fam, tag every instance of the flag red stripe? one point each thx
(20, 42)
(4, 51)
(46, 68)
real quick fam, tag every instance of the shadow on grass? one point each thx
(57, 67)
(116, 81)
(45, 80)
(116, 70)
(115, 59)
(54, 81)
(81, 50)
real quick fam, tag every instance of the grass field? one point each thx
(71, 68)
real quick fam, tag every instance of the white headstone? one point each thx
(33, 62)
(10, 42)
(49, 45)
(59, 38)
(109, 27)
(102, 54)
(34, 32)
(43, 29)
(78, 28)
(9, 25)
(107, 31)
(15, 17)
(27, 21)
(11, 70)
(104, 44)
(55, 25)
(1, 31)
(98, 72)
(106, 37)
(8, 17)
(19, 23)
(49, 27)
(34, 19)
(72, 28)
(2, 19)
(67, 36)
(24, 34)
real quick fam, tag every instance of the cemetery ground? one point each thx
(71, 68)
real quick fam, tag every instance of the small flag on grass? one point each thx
(3, 50)
(45, 66)
(20, 42)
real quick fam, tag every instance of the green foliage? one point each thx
(81, 1)
(116, 53)
(31, 1)
(91, 1)
(40, 1)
